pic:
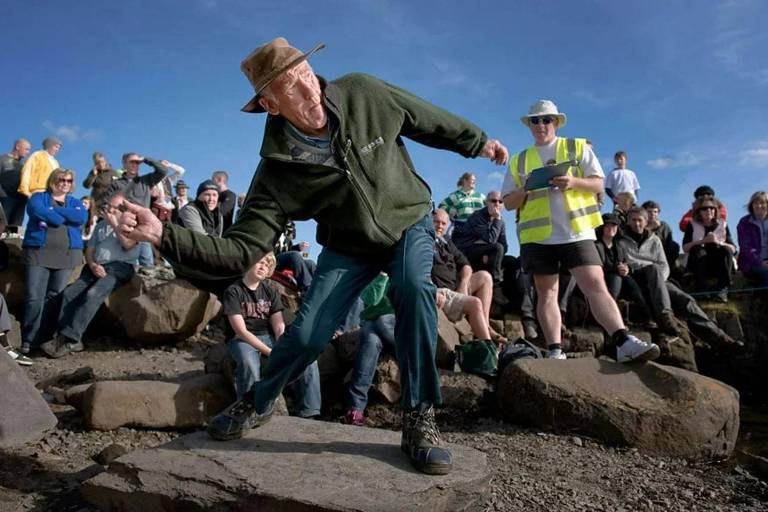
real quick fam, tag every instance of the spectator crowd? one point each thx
(333, 152)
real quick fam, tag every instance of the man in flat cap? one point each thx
(333, 152)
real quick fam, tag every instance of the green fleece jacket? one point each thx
(362, 207)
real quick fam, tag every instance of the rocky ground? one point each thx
(531, 470)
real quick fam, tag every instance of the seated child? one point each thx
(255, 323)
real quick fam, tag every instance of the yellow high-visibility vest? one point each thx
(535, 216)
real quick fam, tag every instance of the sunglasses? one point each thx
(66, 180)
(708, 208)
(542, 120)
(496, 201)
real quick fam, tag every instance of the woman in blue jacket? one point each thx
(53, 247)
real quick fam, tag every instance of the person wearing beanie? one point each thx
(203, 215)
(37, 168)
(702, 192)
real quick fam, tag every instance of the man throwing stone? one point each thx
(556, 227)
(333, 151)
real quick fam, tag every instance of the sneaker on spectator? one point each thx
(556, 353)
(20, 359)
(634, 349)
(75, 346)
(25, 348)
(57, 347)
(354, 417)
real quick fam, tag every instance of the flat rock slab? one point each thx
(289, 464)
(24, 415)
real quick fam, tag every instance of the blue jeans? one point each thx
(146, 256)
(82, 299)
(41, 302)
(306, 389)
(373, 335)
(339, 280)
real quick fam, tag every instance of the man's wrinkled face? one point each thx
(440, 220)
(637, 223)
(298, 98)
(210, 198)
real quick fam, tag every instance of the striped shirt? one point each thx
(460, 205)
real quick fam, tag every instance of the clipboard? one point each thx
(540, 177)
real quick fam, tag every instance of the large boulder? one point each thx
(289, 464)
(659, 409)
(24, 415)
(108, 405)
(153, 310)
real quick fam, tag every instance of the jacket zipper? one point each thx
(361, 193)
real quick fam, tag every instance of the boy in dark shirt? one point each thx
(255, 322)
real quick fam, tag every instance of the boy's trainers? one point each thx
(634, 349)
(556, 353)
(354, 417)
(20, 359)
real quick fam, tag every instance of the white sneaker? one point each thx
(20, 359)
(634, 349)
(556, 353)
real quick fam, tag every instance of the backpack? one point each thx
(479, 357)
(518, 349)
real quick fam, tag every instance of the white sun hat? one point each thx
(545, 108)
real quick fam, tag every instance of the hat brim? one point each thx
(253, 107)
(561, 119)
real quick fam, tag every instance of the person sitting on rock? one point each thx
(662, 230)
(254, 322)
(616, 270)
(459, 290)
(710, 249)
(622, 203)
(483, 239)
(202, 215)
(291, 256)
(649, 268)
(377, 330)
(753, 239)
(702, 192)
(111, 258)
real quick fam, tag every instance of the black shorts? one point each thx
(553, 259)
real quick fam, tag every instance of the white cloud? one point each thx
(70, 133)
(496, 177)
(682, 159)
(756, 155)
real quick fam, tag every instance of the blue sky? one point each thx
(682, 86)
